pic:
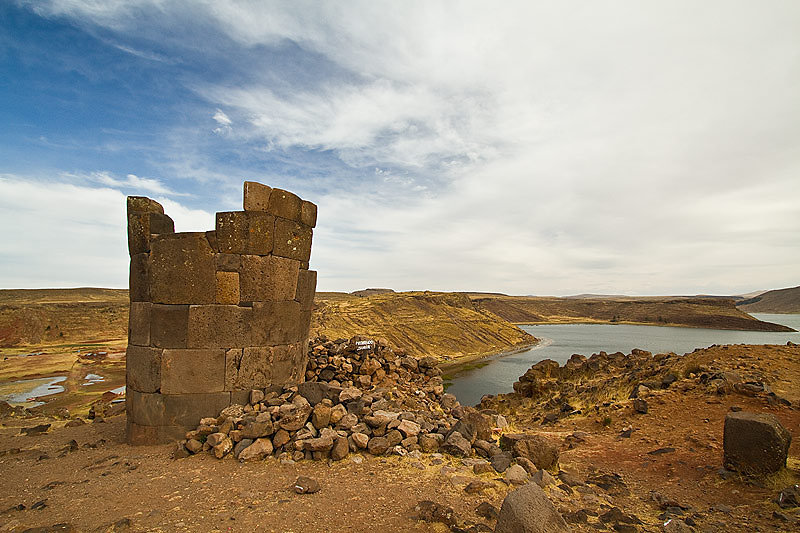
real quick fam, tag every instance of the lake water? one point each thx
(560, 341)
(24, 391)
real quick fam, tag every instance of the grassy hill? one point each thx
(443, 325)
(718, 313)
(423, 323)
(777, 301)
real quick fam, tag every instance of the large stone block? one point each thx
(144, 408)
(256, 196)
(169, 325)
(529, 510)
(139, 435)
(268, 278)
(142, 204)
(182, 269)
(276, 323)
(306, 288)
(286, 362)
(187, 409)
(192, 371)
(228, 288)
(218, 326)
(143, 368)
(285, 204)
(245, 232)
(139, 324)
(228, 262)
(755, 444)
(292, 239)
(139, 280)
(308, 214)
(248, 368)
(141, 226)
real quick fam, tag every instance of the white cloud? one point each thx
(130, 183)
(67, 235)
(533, 147)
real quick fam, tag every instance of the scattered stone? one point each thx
(528, 510)
(675, 525)
(501, 461)
(306, 485)
(789, 497)
(35, 430)
(755, 444)
(258, 450)
(457, 445)
(428, 511)
(661, 451)
(487, 510)
(378, 445)
(542, 478)
(75, 422)
(478, 485)
(482, 468)
(516, 475)
(538, 449)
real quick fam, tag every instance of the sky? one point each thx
(549, 148)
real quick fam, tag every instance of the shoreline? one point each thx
(457, 365)
(655, 324)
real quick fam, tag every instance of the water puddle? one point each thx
(91, 379)
(25, 391)
(119, 390)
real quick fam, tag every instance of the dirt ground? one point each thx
(102, 484)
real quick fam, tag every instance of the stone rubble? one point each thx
(360, 396)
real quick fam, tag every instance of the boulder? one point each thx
(430, 443)
(457, 445)
(260, 449)
(538, 449)
(516, 475)
(528, 510)
(378, 445)
(755, 444)
(340, 448)
(501, 461)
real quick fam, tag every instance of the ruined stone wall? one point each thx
(216, 314)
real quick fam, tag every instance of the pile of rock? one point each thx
(361, 396)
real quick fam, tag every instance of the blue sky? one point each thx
(529, 148)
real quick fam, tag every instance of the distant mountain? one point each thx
(777, 301)
(371, 292)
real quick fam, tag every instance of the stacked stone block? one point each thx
(215, 314)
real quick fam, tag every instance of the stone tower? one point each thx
(214, 315)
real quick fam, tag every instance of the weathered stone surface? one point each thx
(227, 262)
(501, 461)
(268, 278)
(182, 269)
(538, 449)
(192, 371)
(430, 443)
(755, 443)
(306, 288)
(516, 475)
(308, 214)
(640, 405)
(306, 485)
(139, 434)
(281, 437)
(528, 510)
(248, 368)
(360, 440)
(255, 429)
(223, 448)
(292, 239)
(409, 428)
(139, 278)
(143, 368)
(276, 323)
(227, 291)
(142, 225)
(143, 204)
(218, 326)
(457, 445)
(187, 409)
(256, 196)
(321, 416)
(341, 448)
(290, 363)
(169, 325)
(260, 449)
(245, 232)
(316, 391)
(285, 204)
(139, 324)
(298, 416)
(378, 445)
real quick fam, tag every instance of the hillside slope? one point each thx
(777, 301)
(423, 323)
(718, 313)
(442, 325)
